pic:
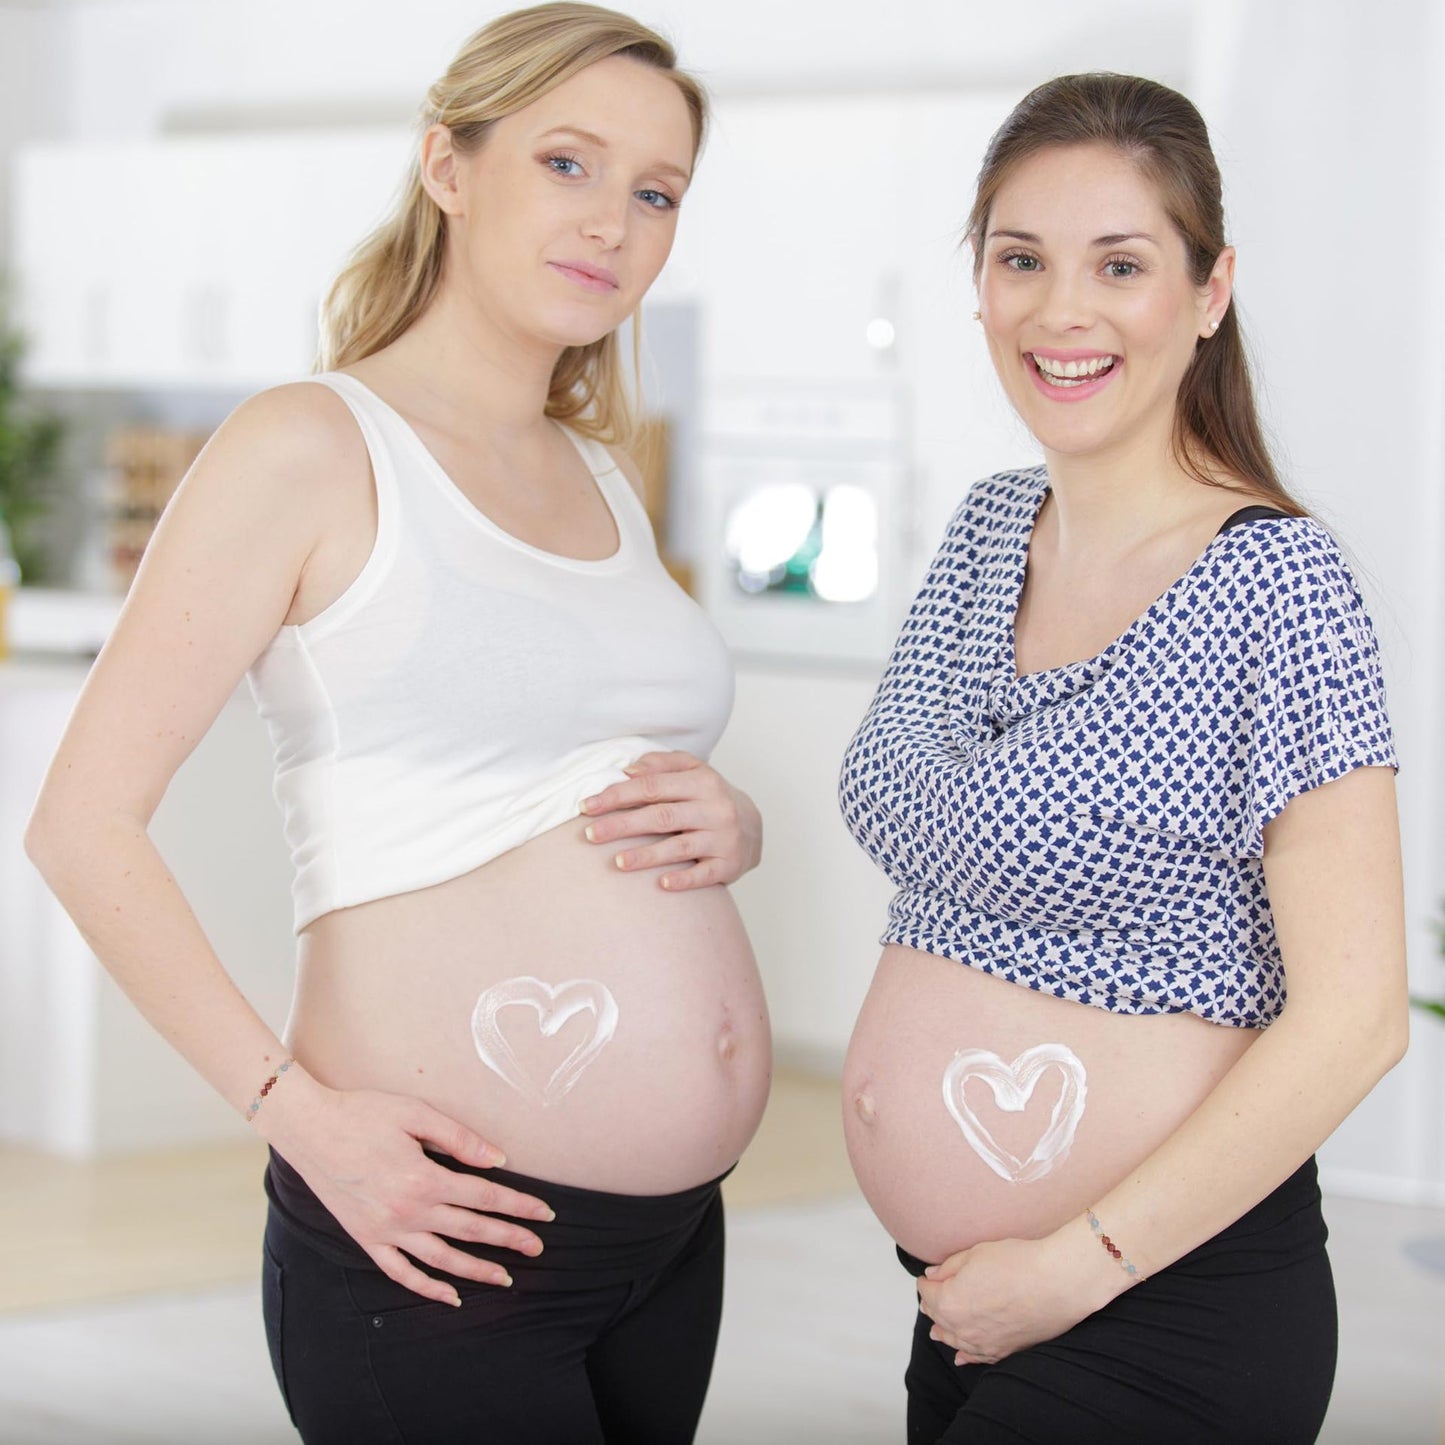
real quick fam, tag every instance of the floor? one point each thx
(813, 1337)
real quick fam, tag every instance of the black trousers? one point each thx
(606, 1338)
(1232, 1345)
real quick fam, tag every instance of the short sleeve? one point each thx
(1319, 702)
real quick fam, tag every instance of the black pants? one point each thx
(607, 1336)
(1232, 1345)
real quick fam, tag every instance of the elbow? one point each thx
(1395, 1038)
(41, 841)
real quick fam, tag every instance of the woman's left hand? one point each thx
(709, 825)
(1003, 1296)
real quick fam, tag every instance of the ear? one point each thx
(1217, 293)
(440, 170)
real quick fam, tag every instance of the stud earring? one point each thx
(1214, 325)
(978, 315)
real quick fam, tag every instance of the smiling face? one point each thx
(561, 220)
(1087, 303)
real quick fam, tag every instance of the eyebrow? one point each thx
(592, 138)
(1117, 239)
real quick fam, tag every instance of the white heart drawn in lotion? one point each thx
(1013, 1087)
(555, 1004)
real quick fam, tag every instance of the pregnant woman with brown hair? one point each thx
(1131, 771)
(432, 562)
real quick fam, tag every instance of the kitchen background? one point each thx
(180, 178)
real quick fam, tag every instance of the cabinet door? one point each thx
(963, 428)
(196, 262)
(797, 240)
(68, 216)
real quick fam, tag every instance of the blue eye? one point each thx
(560, 164)
(1122, 268)
(1020, 261)
(657, 200)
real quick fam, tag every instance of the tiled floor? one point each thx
(813, 1342)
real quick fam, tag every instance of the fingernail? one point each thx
(455, 1300)
(621, 860)
(498, 1159)
(931, 1272)
(585, 805)
(667, 881)
(632, 770)
(550, 1215)
(506, 1280)
(590, 833)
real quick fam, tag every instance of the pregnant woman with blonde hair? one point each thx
(433, 563)
(1130, 768)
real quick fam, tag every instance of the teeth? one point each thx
(1063, 372)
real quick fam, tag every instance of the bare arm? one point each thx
(1332, 865)
(220, 577)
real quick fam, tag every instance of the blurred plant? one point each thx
(1434, 1005)
(29, 450)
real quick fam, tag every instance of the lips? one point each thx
(1071, 376)
(586, 275)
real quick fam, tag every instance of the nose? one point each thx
(1063, 302)
(606, 220)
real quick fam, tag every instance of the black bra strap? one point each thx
(1253, 513)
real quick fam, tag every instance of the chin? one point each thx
(574, 330)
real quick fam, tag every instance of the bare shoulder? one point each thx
(295, 445)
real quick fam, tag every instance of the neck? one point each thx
(1105, 502)
(466, 358)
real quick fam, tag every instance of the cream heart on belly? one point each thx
(555, 1004)
(1013, 1086)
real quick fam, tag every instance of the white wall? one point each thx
(1328, 130)
(141, 66)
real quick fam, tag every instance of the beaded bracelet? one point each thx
(267, 1087)
(1111, 1246)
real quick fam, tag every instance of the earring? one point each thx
(1214, 325)
(978, 315)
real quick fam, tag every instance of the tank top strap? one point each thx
(371, 417)
(626, 506)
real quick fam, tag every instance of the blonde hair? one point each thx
(393, 274)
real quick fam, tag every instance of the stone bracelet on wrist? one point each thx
(267, 1087)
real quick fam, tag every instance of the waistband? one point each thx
(1284, 1226)
(612, 1238)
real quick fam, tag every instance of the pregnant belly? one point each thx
(977, 1109)
(600, 1030)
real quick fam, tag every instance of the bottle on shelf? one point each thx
(9, 581)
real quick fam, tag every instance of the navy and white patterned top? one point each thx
(1095, 831)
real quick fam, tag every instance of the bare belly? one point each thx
(600, 1030)
(977, 1109)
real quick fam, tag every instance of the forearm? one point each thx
(110, 878)
(1279, 1102)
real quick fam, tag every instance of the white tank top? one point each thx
(467, 690)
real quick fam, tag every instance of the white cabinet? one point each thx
(81, 1073)
(812, 218)
(195, 262)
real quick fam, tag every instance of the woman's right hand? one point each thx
(360, 1152)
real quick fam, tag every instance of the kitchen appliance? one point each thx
(807, 506)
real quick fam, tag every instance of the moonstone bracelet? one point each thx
(1111, 1246)
(267, 1087)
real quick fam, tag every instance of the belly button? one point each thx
(727, 1045)
(867, 1109)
